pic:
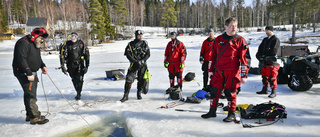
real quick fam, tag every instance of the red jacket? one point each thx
(175, 52)
(229, 53)
(206, 50)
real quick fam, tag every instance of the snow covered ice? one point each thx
(100, 98)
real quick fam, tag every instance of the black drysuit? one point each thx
(137, 53)
(76, 56)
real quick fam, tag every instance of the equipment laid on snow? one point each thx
(115, 74)
(193, 100)
(301, 65)
(268, 110)
(174, 92)
(190, 76)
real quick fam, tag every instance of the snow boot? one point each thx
(273, 93)
(28, 118)
(231, 117)
(211, 113)
(39, 120)
(263, 91)
(139, 94)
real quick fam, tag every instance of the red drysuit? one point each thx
(206, 50)
(175, 55)
(228, 56)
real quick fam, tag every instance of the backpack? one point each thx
(267, 110)
(190, 76)
(174, 92)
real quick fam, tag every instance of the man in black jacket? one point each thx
(76, 55)
(137, 53)
(268, 62)
(26, 62)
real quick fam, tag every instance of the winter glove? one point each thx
(165, 64)
(201, 59)
(142, 62)
(85, 70)
(181, 66)
(64, 70)
(262, 58)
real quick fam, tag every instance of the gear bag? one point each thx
(193, 100)
(190, 76)
(267, 110)
(174, 92)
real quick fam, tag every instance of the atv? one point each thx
(300, 68)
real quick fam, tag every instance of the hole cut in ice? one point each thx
(113, 126)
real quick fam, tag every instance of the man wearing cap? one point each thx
(76, 55)
(137, 52)
(26, 62)
(205, 55)
(268, 62)
(174, 58)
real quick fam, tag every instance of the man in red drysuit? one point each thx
(229, 68)
(174, 58)
(205, 55)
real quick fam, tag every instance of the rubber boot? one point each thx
(263, 91)
(78, 97)
(211, 113)
(273, 93)
(127, 87)
(231, 117)
(139, 94)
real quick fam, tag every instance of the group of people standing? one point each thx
(223, 59)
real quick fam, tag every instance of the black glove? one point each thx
(141, 62)
(136, 65)
(64, 70)
(85, 70)
(262, 58)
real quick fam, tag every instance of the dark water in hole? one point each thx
(114, 126)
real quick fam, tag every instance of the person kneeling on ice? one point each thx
(138, 53)
(26, 62)
(75, 54)
(229, 69)
(174, 58)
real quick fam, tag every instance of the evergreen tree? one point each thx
(120, 11)
(96, 19)
(3, 19)
(107, 20)
(169, 15)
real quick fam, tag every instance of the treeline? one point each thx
(167, 13)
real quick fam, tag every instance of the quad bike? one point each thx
(300, 68)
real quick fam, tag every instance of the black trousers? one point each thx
(133, 72)
(75, 70)
(30, 94)
(205, 69)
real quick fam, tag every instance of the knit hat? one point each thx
(269, 28)
(39, 31)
